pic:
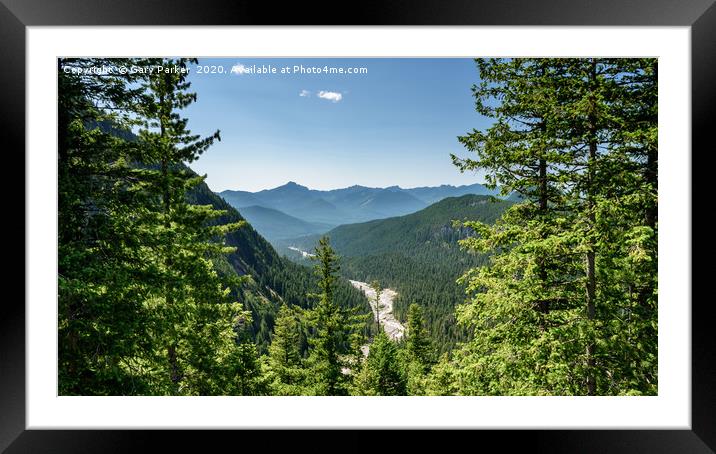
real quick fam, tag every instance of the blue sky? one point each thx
(395, 125)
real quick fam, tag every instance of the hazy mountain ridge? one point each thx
(312, 211)
(278, 225)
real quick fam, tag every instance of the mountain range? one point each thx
(294, 210)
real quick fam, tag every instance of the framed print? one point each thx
(358, 223)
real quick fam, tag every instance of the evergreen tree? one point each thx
(284, 355)
(628, 213)
(375, 285)
(522, 291)
(418, 355)
(100, 283)
(381, 374)
(544, 312)
(444, 379)
(331, 331)
(195, 315)
(142, 308)
(417, 342)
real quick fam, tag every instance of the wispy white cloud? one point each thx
(330, 95)
(304, 93)
(238, 69)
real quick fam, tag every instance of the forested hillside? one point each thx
(418, 255)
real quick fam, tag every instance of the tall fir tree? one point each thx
(522, 293)
(417, 341)
(142, 310)
(331, 337)
(196, 319)
(381, 373)
(418, 354)
(100, 282)
(284, 355)
(630, 215)
(378, 289)
(544, 312)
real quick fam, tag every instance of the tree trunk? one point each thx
(175, 373)
(652, 164)
(591, 255)
(544, 303)
(651, 209)
(591, 297)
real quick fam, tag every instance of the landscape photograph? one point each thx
(357, 226)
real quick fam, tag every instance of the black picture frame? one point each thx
(700, 15)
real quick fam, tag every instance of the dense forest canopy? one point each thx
(165, 289)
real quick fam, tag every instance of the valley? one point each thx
(268, 280)
(417, 255)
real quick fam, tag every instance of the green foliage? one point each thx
(382, 374)
(417, 342)
(419, 351)
(143, 309)
(285, 362)
(444, 378)
(563, 308)
(336, 331)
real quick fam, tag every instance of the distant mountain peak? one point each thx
(292, 185)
